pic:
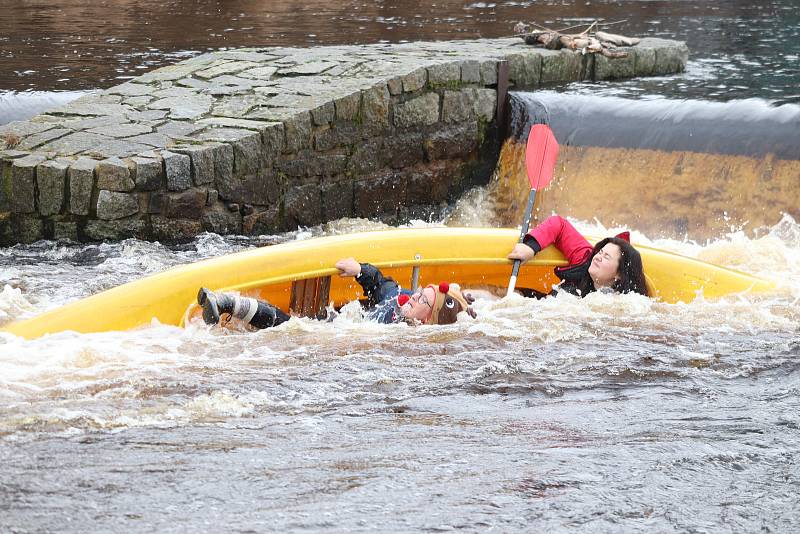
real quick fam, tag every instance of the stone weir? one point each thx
(266, 139)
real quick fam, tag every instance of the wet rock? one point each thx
(81, 182)
(454, 142)
(113, 175)
(456, 106)
(23, 180)
(221, 221)
(202, 162)
(115, 205)
(99, 230)
(51, 177)
(147, 173)
(484, 103)
(178, 170)
(525, 69)
(420, 111)
(266, 221)
(444, 74)
(348, 107)
(375, 108)
(560, 65)
(303, 206)
(337, 199)
(185, 205)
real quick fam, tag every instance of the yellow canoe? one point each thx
(297, 275)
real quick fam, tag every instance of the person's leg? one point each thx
(258, 314)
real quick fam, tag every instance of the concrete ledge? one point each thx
(265, 139)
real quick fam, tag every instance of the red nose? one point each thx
(402, 299)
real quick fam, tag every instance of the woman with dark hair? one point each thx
(612, 263)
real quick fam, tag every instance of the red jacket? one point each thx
(558, 231)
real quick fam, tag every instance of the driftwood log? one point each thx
(587, 41)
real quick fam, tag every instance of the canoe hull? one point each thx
(473, 257)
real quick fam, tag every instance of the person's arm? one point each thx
(377, 287)
(555, 231)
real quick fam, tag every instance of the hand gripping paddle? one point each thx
(541, 154)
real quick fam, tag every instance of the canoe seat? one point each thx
(310, 297)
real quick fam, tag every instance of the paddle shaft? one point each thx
(526, 222)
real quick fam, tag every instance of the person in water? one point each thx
(612, 263)
(387, 302)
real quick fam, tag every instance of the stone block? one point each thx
(174, 230)
(266, 221)
(51, 177)
(671, 59)
(221, 221)
(380, 194)
(178, 170)
(156, 202)
(348, 108)
(303, 205)
(471, 71)
(113, 205)
(99, 230)
(484, 103)
(65, 231)
(272, 141)
(27, 228)
(147, 173)
(375, 108)
(614, 68)
(489, 72)
(223, 164)
(336, 199)
(404, 150)
(5, 185)
(444, 74)
(186, 204)
(456, 106)
(414, 81)
(525, 69)
(644, 60)
(23, 183)
(367, 158)
(395, 86)
(419, 111)
(297, 132)
(202, 162)
(339, 134)
(263, 188)
(432, 184)
(453, 142)
(309, 163)
(113, 174)
(324, 114)
(81, 183)
(560, 66)
(212, 197)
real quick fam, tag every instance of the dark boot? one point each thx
(214, 305)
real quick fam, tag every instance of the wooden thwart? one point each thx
(310, 296)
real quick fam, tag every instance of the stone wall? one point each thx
(263, 140)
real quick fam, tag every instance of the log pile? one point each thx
(589, 41)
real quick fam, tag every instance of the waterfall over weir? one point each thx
(667, 167)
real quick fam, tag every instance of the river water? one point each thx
(608, 414)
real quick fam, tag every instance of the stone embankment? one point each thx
(262, 140)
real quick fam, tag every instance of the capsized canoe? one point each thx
(294, 275)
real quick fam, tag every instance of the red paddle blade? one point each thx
(540, 156)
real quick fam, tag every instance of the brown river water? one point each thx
(614, 413)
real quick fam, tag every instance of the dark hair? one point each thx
(630, 273)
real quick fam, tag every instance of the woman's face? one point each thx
(605, 265)
(420, 305)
